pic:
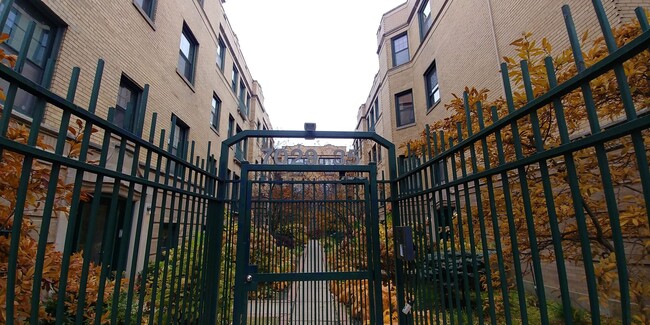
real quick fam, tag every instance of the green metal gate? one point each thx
(290, 233)
(300, 243)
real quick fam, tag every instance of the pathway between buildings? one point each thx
(305, 302)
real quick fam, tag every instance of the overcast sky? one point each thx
(315, 60)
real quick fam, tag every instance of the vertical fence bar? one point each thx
(481, 220)
(603, 166)
(75, 201)
(641, 161)
(22, 186)
(507, 194)
(461, 232)
(49, 201)
(495, 224)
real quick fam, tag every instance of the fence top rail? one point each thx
(308, 135)
(39, 91)
(356, 181)
(102, 171)
(624, 53)
(309, 168)
(616, 132)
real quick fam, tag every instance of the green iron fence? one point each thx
(534, 208)
(98, 225)
(282, 218)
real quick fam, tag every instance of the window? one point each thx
(231, 125)
(379, 153)
(235, 186)
(373, 115)
(426, 20)
(179, 142)
(221, 53)
(265, 141)
(400, 50)
(433, 91)
(404, 107)
(239, 152)
(128, 112)
(228, 177)
(147, 7)
(99, 232)
(374, 153)
(235, 78)
(438, 172)
(357, 147)
(216, 111)
(242, 98)
(41, 48)
(377, 108)
(187, 54)
(168, 236)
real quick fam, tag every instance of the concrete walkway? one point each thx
(307, 302)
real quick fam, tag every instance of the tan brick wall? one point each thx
(467, 41)
(117, 32)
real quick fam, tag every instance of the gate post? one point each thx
(399, 271)
(214, 233)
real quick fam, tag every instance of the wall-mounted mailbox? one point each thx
(404, 241)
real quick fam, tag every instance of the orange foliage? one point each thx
(620, 153)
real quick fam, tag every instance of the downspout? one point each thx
(494, 33)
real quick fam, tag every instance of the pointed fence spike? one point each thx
(643, 19)
(468, 114)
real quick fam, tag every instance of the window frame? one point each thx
(394, 52)
(431, 102)
(81, 228)
(377, 111)
(138, 109)
(235, 79)
(231, 125)
(398, 121)
(40, 14)
(179, 150)
(215, 111)
(194, 48)
(425, 20)
(221, 53)
(150, 12)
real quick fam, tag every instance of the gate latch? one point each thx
(251, 279)
(404, 241)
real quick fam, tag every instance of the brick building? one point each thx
(430, 49)
(184, 50)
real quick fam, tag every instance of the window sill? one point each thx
(430, 109)
(405, 126)
(189, 84)
(214, 129)
(145, 16)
